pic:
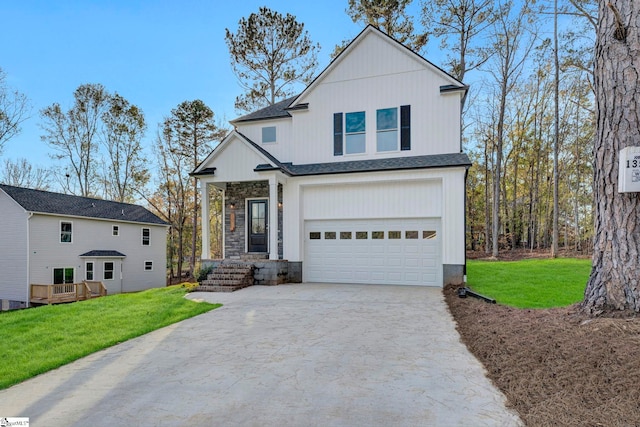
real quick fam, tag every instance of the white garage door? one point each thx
(398, 251)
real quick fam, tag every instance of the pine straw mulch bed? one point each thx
(556, 367)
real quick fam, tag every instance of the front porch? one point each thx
(252, 213)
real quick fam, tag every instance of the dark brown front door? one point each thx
(258, 241)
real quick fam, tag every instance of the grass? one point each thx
(41, 339)
(531, 283)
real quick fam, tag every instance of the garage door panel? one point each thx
(378, 251)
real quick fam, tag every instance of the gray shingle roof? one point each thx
(63, 204)
(274, 111)
(395, 163)
(103, 253)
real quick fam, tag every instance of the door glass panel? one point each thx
(258, 217)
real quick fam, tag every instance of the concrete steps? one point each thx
(228, 277)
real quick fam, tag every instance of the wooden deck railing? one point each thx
(67, 292)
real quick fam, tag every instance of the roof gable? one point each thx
(46, 202)
(248, 152)
(355, 61)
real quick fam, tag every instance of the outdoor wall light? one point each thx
(279, 204)
(232, 217)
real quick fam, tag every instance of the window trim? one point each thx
(148, 237)
(70, 232)
(150, 263)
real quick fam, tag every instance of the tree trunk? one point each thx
(614, 283)
(556, 132)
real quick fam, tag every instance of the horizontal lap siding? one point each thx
(13, 250)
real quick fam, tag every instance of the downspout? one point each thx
(28, 300)
(466, 196)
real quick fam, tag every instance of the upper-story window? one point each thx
(393, 131)
(387, 129)
(66, 232)
(354, 131)
(146, 236)
(116, 230)
(268, 134)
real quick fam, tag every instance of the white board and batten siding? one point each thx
(375, 76)
(14, 248)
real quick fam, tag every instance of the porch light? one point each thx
(279, 204)
(232, 205)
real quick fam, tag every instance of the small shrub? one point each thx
(203, 273)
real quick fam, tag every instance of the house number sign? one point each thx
(629, 170)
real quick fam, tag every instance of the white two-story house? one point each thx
(52, 238)
(358, 179)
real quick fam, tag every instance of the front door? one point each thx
(258, 241)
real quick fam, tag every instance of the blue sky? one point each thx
(154, 53)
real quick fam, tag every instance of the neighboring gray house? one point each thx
(51, 238)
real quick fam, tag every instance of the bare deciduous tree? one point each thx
(14, 109)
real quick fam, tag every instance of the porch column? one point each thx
(273, 218)
(205, 220)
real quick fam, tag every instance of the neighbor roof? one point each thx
(103, 254)
(47, 202)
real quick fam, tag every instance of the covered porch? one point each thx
(252, 212)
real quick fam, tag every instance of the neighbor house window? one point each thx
(146, 236)
(62, 275)
(354, 131)
(65, 232)
(148, 265)
(268, 134)
(88, 271)
(116, 230)
(108, 270)
(387, 129)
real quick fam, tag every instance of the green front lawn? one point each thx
(39, 339)
(531, 283)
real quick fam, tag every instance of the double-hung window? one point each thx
(65, 232)
(393, 130)
(108, 270)
(146, 237)
(354, 131)
(387, 129)
(89, 270)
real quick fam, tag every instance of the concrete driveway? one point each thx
(291, 355)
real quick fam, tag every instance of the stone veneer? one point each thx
(238, 192)
(267, 272)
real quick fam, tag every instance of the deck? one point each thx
(67, 292)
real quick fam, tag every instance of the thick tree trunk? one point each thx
(614, 283)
